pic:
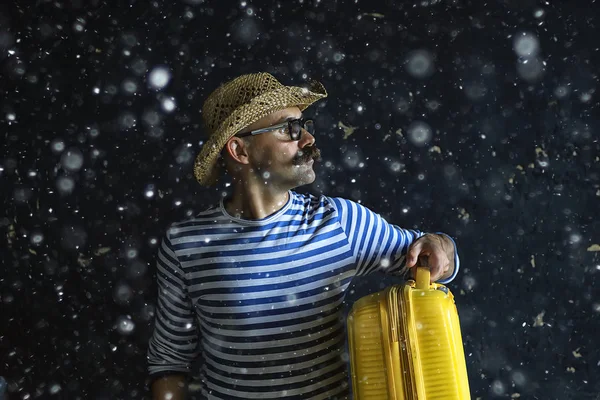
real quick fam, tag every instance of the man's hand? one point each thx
(433, 251)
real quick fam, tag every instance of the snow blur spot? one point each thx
(352, 158)
(519, 378)
(419, 64)
(22, 194)
(530, 69)
(475, 90)
(78, 27)
(6, 40)
(73, 237)
(129, 39)
(16, 66)
(396, 166)
(575, 238)
(469, 282)
(72, 160)
(419, 133)
(131, 253)
(147, 312)
(168, 104)
(151, 118)
(125, 326)
(562, 91)
(122, 294)
(526, 44)
(137, 269)
(149, 191)
(139, 67)
(246, 31)
(184, 154)
(497, 388)
(404, 104)
(433, 105)
(159, 77)
(53, 389)
(428, 3)
(36, 238)
(111, 90)
(65, 185)
(50, 266)
(129, 86)
(585, 97)
(93, 132)
(127, 120)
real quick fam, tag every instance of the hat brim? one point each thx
(206, 168)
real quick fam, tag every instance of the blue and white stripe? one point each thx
(261, 301)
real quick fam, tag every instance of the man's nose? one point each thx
(306, 139)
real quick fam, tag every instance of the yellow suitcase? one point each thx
(405, 344)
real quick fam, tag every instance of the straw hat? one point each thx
(238, 104)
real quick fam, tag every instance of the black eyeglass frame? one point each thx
(300, 122)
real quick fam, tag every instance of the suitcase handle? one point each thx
(423, 278)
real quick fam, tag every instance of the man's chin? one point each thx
(308, 177)
(305, 175)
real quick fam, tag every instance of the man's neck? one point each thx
(256, 202)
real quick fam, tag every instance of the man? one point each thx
(255, 285)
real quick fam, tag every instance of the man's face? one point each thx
(276, 158)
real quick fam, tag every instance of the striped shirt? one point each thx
(261, 301)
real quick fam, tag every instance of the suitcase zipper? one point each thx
(399, 336)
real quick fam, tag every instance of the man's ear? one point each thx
(237, 148)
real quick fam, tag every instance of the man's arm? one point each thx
(384, 247)
(170, 387)
(174, 342)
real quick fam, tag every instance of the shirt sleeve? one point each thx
(377, 245)
(174, 342)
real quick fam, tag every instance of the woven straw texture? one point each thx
(238, 104)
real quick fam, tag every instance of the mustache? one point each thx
(307, 154)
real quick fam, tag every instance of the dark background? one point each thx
(93, 168)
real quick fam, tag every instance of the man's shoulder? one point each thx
(344, 206)
(208, 217)
(337, 203)
(312, 201)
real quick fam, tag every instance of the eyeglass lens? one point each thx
(296, 128)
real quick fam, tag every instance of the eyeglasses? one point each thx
(294, 128)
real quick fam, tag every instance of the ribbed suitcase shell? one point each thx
(405, 344)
